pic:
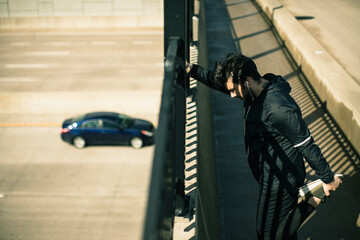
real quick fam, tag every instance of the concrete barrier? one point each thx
(331, 82)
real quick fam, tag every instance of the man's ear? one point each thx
(248, 81)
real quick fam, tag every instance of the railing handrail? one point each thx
(161, 202)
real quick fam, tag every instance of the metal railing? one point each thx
(167, 179)
(162, 194)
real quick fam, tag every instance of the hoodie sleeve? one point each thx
(206, 77)
(289, 122)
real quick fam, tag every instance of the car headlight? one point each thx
(147, 133)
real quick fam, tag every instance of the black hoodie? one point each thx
(276, 136)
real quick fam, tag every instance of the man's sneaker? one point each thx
(315, 189)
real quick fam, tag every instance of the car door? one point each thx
(91, 131)
(113, 133)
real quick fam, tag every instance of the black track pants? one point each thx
(279, 215)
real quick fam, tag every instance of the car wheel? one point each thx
(136, 142)
(79, 142)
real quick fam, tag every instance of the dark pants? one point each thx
(279, 215)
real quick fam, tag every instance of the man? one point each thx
(276, 140)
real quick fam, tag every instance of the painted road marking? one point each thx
(114, 33)
(104, 43)
(57, 43)
(41, 65)
(19, 79)
(142, 42)
(20, 44)
(49, 53)
(49, 124)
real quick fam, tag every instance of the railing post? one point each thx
(177, 20)
(179, 125)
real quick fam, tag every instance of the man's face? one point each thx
(234, 88)
(237, 90)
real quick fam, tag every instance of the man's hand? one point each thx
(188, 67)
(332, 186)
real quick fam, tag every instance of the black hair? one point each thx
(238, 66)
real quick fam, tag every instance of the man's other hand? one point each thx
(332, 186)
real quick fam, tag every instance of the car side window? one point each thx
(108, 125)
(91, 124)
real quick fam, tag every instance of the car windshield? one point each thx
(126, 121)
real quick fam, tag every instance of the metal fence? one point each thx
(167, 180)
(161, 204)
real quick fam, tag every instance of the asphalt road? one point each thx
(49, 189)
(97, 61)
(56, 73)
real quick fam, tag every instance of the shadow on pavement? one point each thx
(240, 27)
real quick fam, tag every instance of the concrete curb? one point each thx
(333, 85)
(90, 22)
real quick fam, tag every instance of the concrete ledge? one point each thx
(330, 81)
(80, 22)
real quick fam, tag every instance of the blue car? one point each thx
(107, 128)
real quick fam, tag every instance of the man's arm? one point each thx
(289, 123)
(204, 76)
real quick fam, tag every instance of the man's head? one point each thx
(235, 73)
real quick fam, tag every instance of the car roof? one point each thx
(101, 114)
(108, 115)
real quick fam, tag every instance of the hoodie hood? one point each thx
(277, 83)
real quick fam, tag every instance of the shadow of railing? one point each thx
(251, 31)
(325, 130)
(254, 35)
(342, 159)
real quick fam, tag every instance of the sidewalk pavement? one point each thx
(332, 83)
(237, 26)
(335, 25)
